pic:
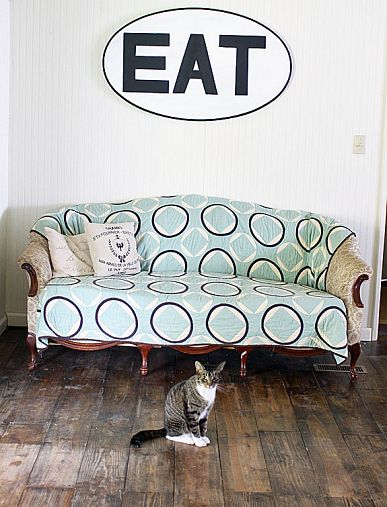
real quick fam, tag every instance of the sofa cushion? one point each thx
(191, 309)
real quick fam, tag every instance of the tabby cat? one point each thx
(187, 408)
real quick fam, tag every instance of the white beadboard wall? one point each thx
(4, 108)
(73, 140)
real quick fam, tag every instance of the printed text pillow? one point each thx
(113, 248)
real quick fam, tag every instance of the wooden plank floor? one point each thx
(284, 436)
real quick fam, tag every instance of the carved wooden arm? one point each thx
(356, 290)
(346, 273)
(35, 260)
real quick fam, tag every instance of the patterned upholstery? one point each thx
(213, 270)
(192, 310)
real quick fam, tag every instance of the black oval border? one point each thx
(255, 237)
(48, 325)
(199, 119)
(256, 289)
(167, 281)
(169, 206)
(222, 295)
(285, 344)
(112, 288)
(219, 233)
(110, 335)
(318, 320)
(182, 308)
(234, 308)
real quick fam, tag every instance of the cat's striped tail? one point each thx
(141, 436)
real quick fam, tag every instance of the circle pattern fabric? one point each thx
(237, 327)
(114, 283)
(64, 281)
(224, 289)
(282, 324)
(212, 270)
(70, 318)
(267, 229)
(263, 242)
(116, 319)
(219, 220)
(168, 287)
(195, 310)
(170, 220)
(274, 291)
(172, 323)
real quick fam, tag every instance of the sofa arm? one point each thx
(346, 273)
(36, 261)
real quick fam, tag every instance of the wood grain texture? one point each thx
(10, 493)
(57, 465)
(46, 497)
(132, 498)
(288, 464)
(376, 403)
(80, 453)
(271, 404)
(92, 494)
(155, 461)
(25, 433)
(248, 500)
(370, 455)
(198, 477)
(243, 465)
(17, 461)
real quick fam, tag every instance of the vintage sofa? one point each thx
(214, 273)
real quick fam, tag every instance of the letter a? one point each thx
(195, 53)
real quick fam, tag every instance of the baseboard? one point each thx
(17, 319)
(366, 334)
(3, 324)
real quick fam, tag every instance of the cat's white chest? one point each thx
(208, 393)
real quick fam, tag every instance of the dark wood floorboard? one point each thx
(284, 436)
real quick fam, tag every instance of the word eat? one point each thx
(195, 55)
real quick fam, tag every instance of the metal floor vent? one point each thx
(344, 368)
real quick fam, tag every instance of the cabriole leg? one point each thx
(243, 369)
(144, 349)
(354, 351)
(31, 342)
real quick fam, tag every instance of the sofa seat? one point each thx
(192, 309)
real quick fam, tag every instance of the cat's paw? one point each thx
(184, 439)
(206, 440)
(199, 442)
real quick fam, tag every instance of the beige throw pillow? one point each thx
(69, 254)
(113, 248)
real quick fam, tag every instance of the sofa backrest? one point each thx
(214, 235)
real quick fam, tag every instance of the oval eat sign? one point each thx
(197, 64)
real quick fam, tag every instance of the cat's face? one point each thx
(208, 377)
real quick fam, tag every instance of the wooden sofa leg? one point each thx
(31, 342)
(243, 369)
(354, 351)
(144, 349)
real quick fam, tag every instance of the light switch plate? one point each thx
(359, 144)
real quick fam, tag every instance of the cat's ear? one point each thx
(220, 367)
(199, 368)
